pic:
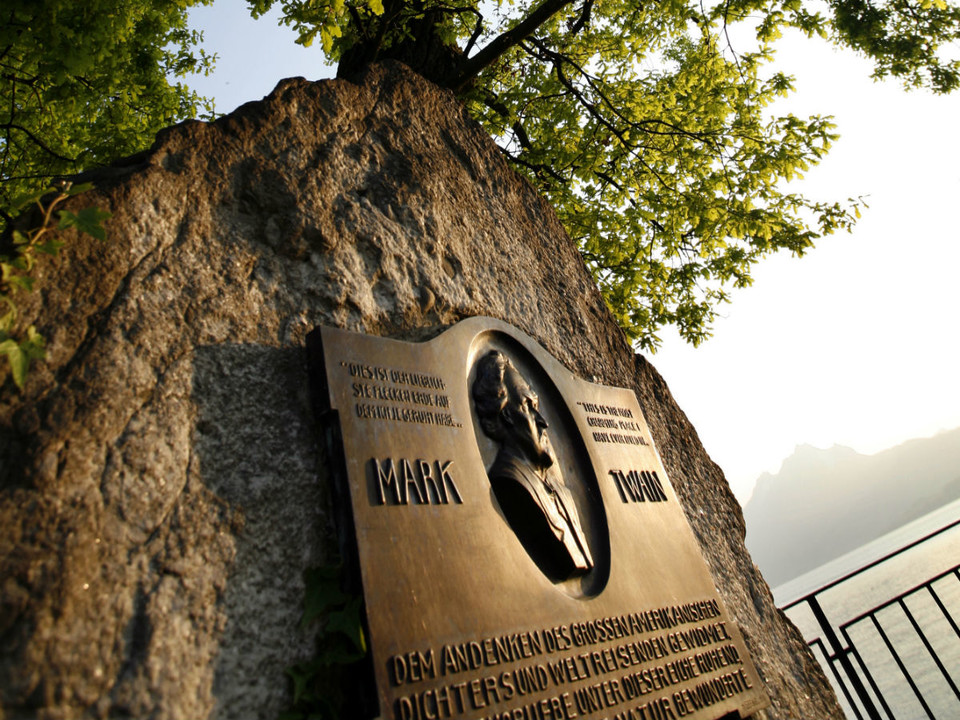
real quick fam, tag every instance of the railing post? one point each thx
(844, 659)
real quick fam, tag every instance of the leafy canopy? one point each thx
(653, 138)
(655, 141)
(82, 83)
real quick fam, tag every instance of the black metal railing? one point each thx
(889, 635)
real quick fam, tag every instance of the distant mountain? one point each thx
(824, 503)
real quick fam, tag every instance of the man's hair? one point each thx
(490, 392)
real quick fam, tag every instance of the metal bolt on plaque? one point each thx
(521, 552)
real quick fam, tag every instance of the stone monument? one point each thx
(162, 487)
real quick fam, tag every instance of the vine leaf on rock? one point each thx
(26, 231)
(317, 688)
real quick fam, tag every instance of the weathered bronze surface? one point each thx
(522, 553)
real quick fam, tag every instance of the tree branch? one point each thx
(537, 168)
(494, 103)
(584, 18)
(37, 141)
(473, 66)
(358, 21)
(477, 30)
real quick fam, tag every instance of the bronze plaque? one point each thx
(522, 553)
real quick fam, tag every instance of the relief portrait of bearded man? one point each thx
(524, 476)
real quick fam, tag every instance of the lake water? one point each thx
(876, 586)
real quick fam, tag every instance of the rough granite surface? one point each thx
(161, 484)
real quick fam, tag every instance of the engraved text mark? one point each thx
(417, 482)
(640, 486)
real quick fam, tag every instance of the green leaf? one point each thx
(347, 622)
(89, 220)
(22, 200)
(49, 247)
(19, 360)
(338, 649)
(301, 682)
(21, 282)
(79, 188)
(35, 345)
(322, 593)
(8, 318)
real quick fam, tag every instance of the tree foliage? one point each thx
(82, 83)
(654, 137)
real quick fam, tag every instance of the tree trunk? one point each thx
(422, 51)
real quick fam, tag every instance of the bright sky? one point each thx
(855, 344)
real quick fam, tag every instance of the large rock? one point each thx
(162, 488)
